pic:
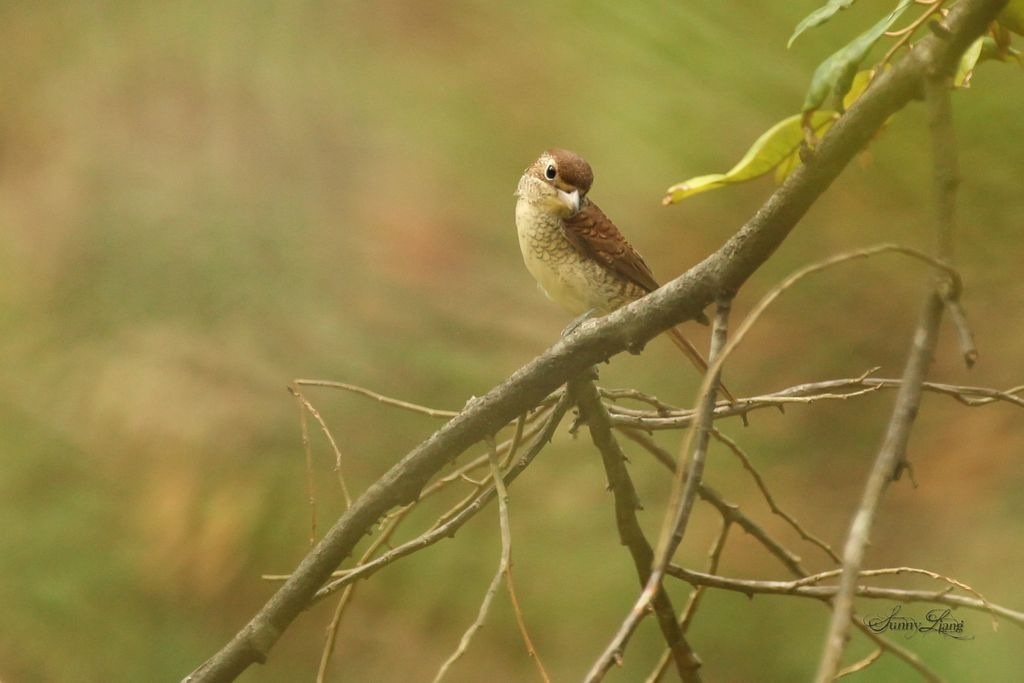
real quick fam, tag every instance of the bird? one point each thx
(573, 250)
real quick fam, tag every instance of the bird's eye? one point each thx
(550, 172)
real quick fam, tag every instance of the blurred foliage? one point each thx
(202, 201)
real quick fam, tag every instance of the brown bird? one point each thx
(576, 254)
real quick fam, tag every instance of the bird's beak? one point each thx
(571, 200)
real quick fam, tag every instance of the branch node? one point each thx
(940, 30)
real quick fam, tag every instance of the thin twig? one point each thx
(684, 492)
(891, 571)
(636, 395)
(390, 521)
(448, 529)
(310, 480)
(506, 554)
(517, 610)
(389, 528)
(889, 462)
(714, 557)
(331, 635)
(681, 507)
(864, 663)
(906, 33)
(645, 440)
(696, 596)
(503, 564)
(630, 533)
(732, 512)
(380, 398)
(772, 505)
(809, 393)
(909, 657)
(807, 587)
(728, 511)
(330, 439)
(964, 336)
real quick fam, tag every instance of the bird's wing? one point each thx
(593, 234)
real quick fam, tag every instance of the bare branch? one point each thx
(732, 512)
(452, 523)
(888, 463)
(618, 394)
(964, 336)
(861, 665)
(503, 564)
(630, 534)
(394, 518)
(693, 603)
(629, 327)
(684, 492)
(908, 656)
(810, 392)
(728, 511)
(759, 481)
(330, 439)
(531, 650)
(380, 398)
(891, 459)
(805, 587)
(307, 449)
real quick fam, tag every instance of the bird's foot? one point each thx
(576, 322)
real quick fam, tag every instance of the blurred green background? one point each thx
(202, 201)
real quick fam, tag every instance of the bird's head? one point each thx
(558, 180)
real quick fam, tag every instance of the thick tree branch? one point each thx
(682, 299)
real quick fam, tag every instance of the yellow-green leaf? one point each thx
(860, 83)
(819, 17)
(836, 73)
(965, 69)
(981, 50)
(775, 146)
(820, 122)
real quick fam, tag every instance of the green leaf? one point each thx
(778, 144)
(819, 17)
(982, 50)
(836, 73)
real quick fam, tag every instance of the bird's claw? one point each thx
(578, 321)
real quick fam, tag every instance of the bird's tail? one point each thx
(691, 352)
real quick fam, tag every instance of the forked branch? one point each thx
(684, 298)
